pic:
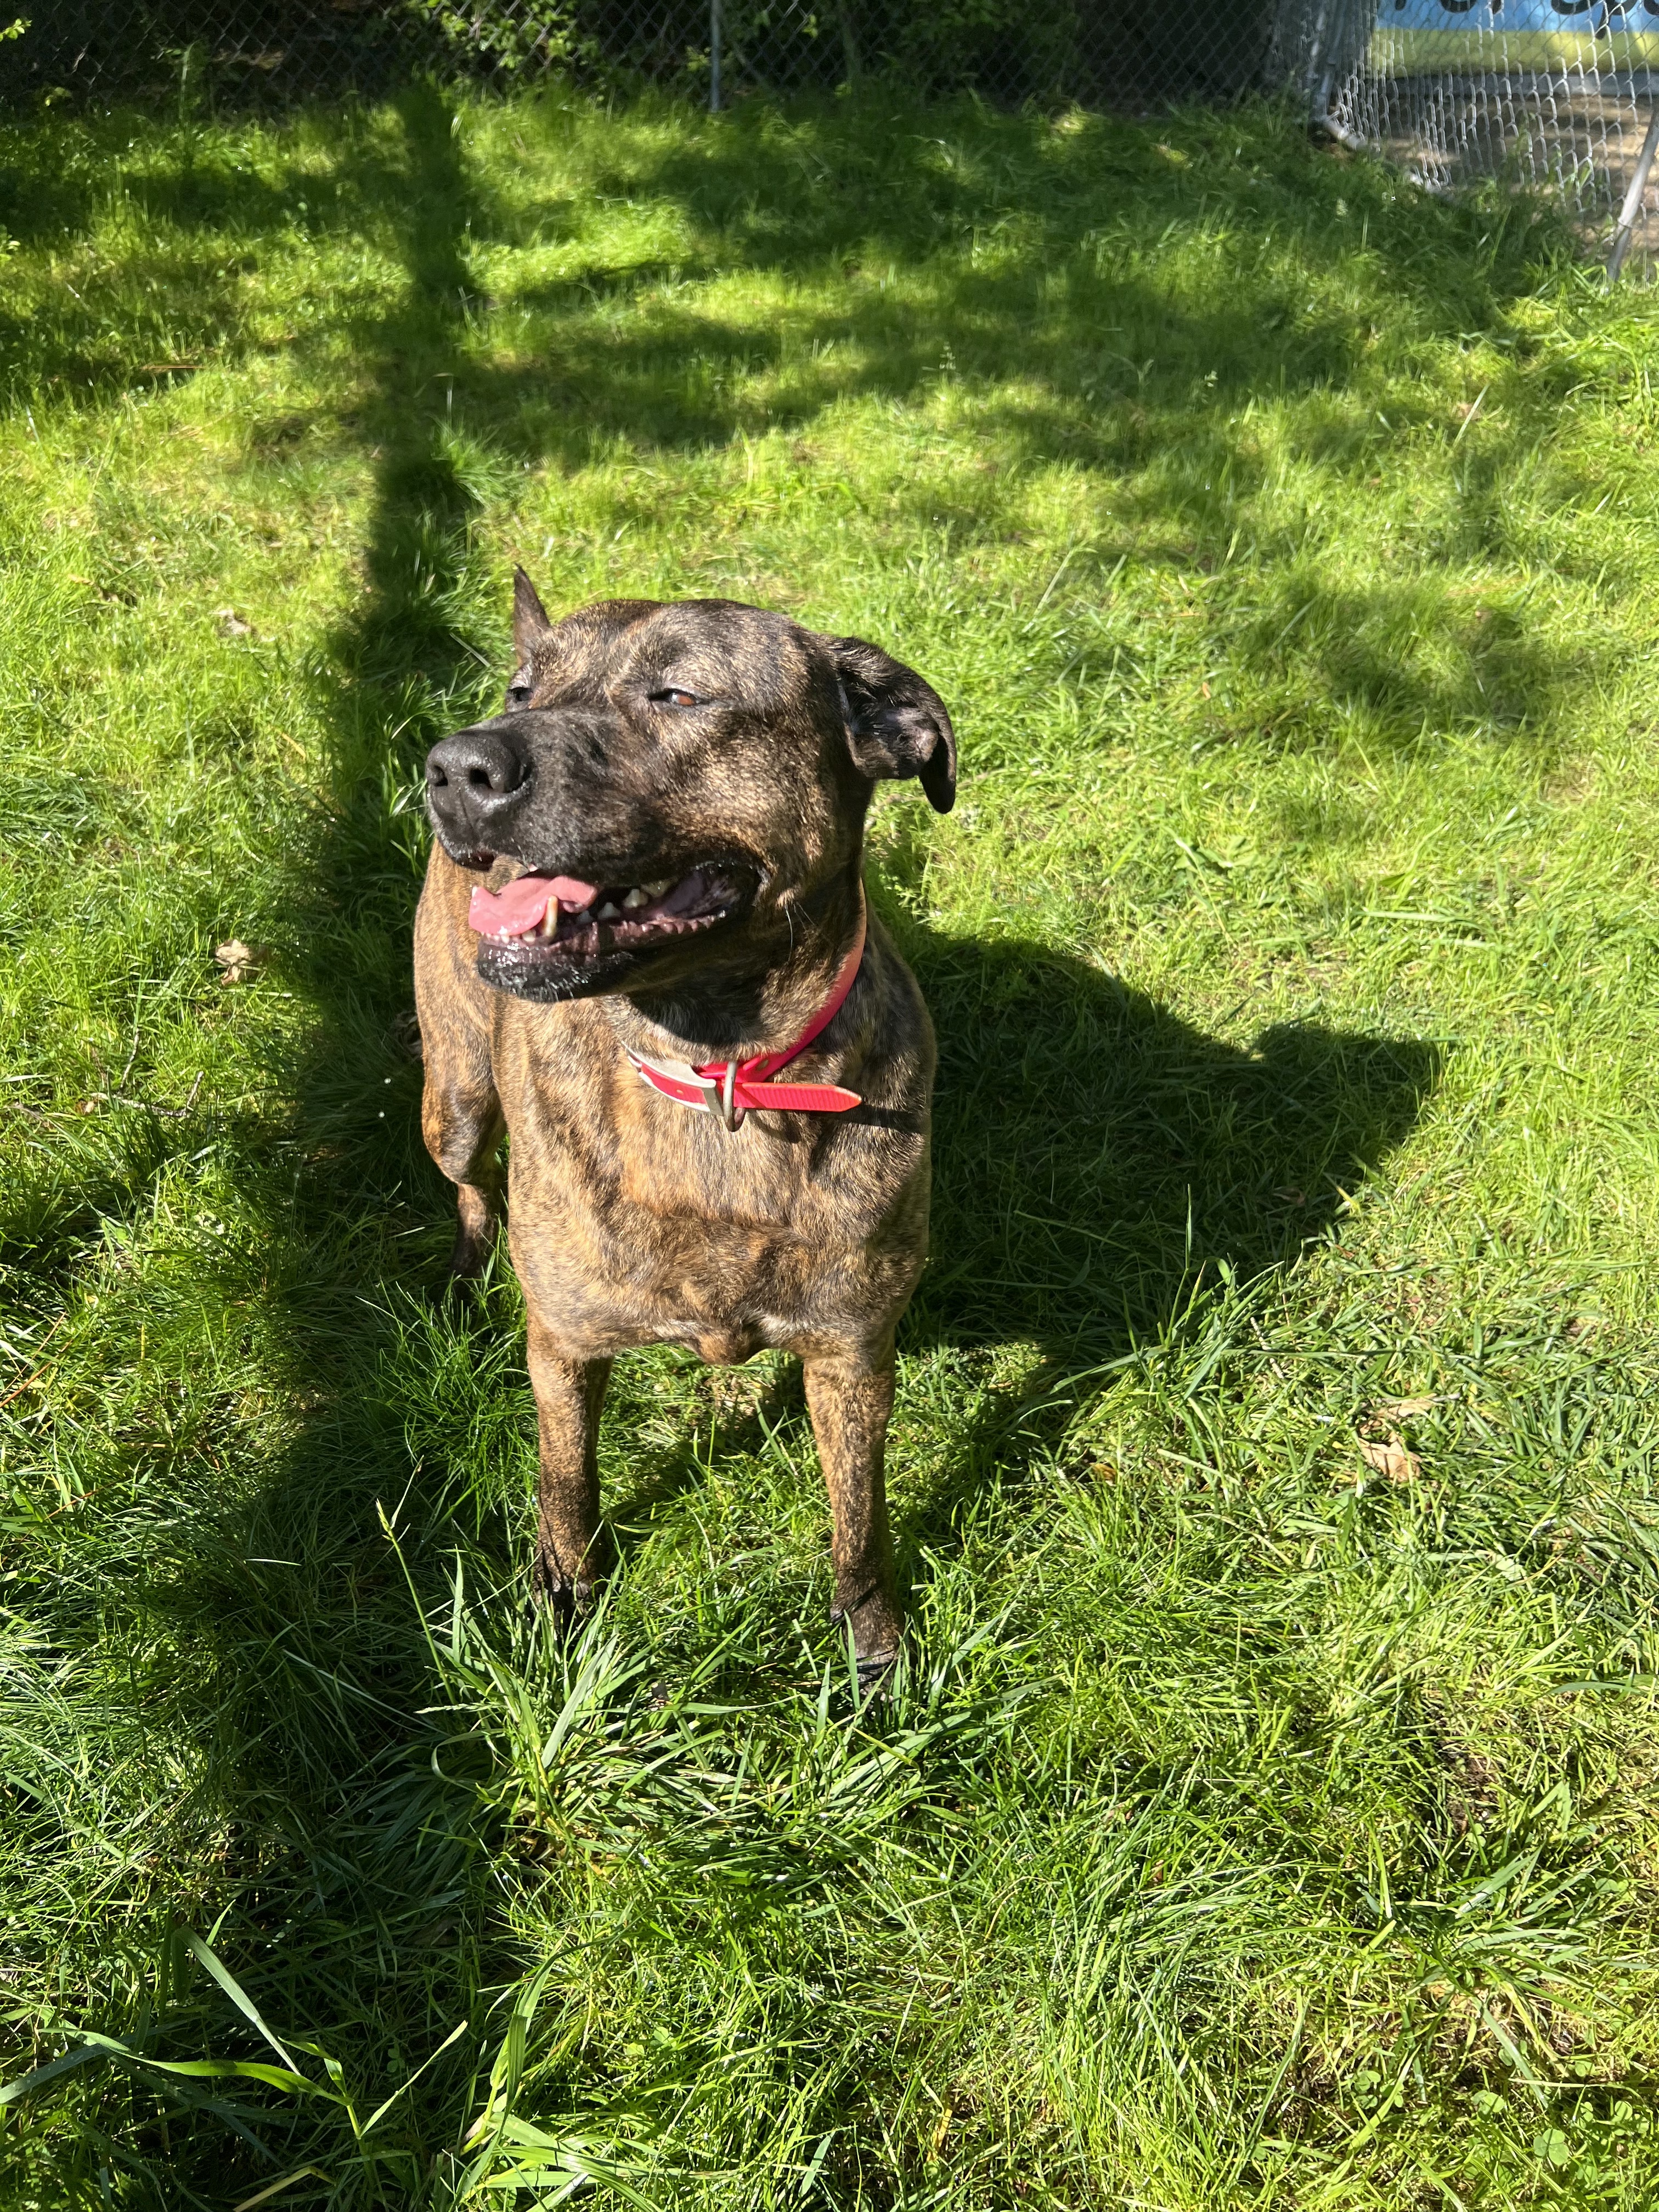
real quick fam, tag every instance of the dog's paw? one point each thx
(470, 1258)
(554, 1594)
(878, 1628)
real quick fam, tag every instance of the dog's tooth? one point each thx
(635, 897)
(609, 912)
(656, 890)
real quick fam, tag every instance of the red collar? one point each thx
(728, 1089)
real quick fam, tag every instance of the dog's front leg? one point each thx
(460, 1113)
(568, 1540)
(461, 1122)
(463, 1129)
(850, 1397)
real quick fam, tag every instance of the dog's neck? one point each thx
(745, 1002)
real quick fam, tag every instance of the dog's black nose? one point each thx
(472, 777)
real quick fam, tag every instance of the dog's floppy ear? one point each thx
(897, 724)
(530, 620)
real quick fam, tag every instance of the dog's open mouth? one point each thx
(562, 917)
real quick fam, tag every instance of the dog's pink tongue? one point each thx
(518, 909)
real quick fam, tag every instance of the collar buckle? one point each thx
(674, 1078)
(730, 1113)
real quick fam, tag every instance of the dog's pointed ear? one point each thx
(530, 620)
(897, 724)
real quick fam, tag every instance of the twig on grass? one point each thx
(35, 1372)
(146, 1106)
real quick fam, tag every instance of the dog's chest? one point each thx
(635, 1220)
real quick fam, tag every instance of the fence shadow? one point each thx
(1052, 291)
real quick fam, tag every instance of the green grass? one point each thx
(1259, 1827)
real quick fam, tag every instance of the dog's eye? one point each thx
(673, 696)
(519, 690)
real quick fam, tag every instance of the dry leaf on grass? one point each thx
(237, 961)
(1402, 1409)
(231, 622)
(1387, 1455)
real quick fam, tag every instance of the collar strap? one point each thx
(729, 1089)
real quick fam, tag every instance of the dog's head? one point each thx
(668, 777)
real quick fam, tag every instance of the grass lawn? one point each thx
(1268, 1818)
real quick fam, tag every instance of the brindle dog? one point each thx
(678, 793)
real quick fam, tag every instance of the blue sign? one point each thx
(1509, 34)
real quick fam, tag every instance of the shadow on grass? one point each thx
(357, 1905)
(1092, 1152)
(1065, 283)
(1096, 1153)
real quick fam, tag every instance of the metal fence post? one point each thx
(1317, 95)
(1633, 207)
(713, 57)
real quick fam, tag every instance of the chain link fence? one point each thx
(1009, 51)
(1557, 94)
